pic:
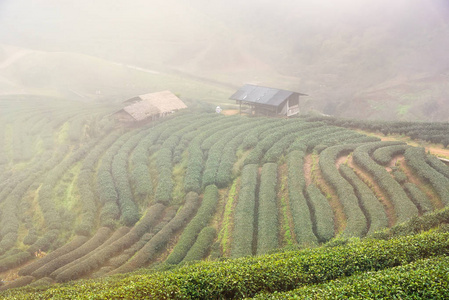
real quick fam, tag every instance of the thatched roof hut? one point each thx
(153, 105)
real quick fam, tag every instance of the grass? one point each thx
(227, 224)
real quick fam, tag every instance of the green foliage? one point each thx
(59, 261)
(404, 207)
(14, 260)
(323, 215)
(418, 197)
(384, 155)
(415, 225)
(245, 277)
(191, 231)
(423, 279)
(373, 209)
(438, 165)
(356, 220)
(228, 158)
(160, 240)
(95, 260)
(202, 245)
(242, 236)
(226, 229)
(434, 132)
(416, 159)
(400, 176)
(267, 221)
(300, 211)
(72, 245)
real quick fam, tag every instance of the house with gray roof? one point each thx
(267, 101)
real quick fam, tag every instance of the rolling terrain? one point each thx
(83, 196)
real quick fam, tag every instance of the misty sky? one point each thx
(35, 21)
(326, 48)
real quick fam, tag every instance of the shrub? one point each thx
(322, 212)
(404, 207)
(300, 211)
(101, 235)
(160, 240)
(418, 197)
(72, 245)
(242, 236)
(416, 159)
(267, 221)
(373, 209)
(384, 155)
(191, 231)
(202, 245)
(356, 220)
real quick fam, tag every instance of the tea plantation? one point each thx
(308, 207)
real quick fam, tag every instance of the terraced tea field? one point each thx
(83, 196)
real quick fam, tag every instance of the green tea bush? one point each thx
(119, 233)
(384, 155)
(423, 279)
(15, 260)
(194, 227)
(269, 140)
(45, 241)
(279, 147)
(322, 212)
(438, 165)
(70, 246)
(248, 276)
(415, 225)
(416, 159)
(202, 245)
(418, 197)
(242, 236)
(400, 176)
(160, 239)
(404, 207)
(373, 209)
(355, 218)
(302, 220)
(224, 175)
(215, 153)
(100, 236)
(267, 221)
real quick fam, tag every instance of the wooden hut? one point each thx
(149, 107)
(267, 101)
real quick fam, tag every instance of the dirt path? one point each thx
(393, 162)
(331, 195)
(308, 169)
(340, 160)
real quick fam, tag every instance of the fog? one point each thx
(339, 53)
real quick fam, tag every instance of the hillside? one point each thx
(369, 59)
(82, 196)
(85, 78)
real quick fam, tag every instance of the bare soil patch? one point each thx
(308, 169)
(230, 112)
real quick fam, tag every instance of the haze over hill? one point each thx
(371, 59)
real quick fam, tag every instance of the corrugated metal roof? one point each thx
(262, 95)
